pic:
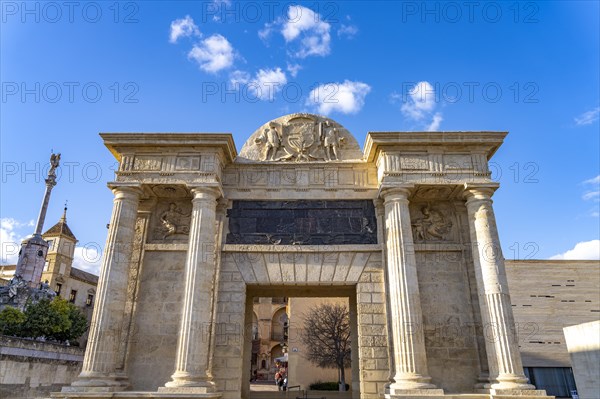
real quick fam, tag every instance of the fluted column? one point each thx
(410, 361)
(192, 373)
(99, 371)
(504, 358)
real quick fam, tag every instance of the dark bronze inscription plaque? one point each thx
(302, 222)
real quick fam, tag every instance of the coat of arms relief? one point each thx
(300, 139)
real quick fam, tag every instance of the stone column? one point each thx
(192, 373)
(410, 361)
(99, 372)
(504, 358)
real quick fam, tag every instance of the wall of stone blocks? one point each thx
(30, 369)
(373, 352)
(230, 336)
(449, 325)
(153, 340)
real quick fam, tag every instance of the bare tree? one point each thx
(326, 335)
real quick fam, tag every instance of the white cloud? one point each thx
(293, 69)
(420, 106)
(435, 123)
(587, 118)
(265, 84)
(586, 250)
(88, 258)
(184, 27)
(421, 101)
(348, 31)
(304, 26)
(213, 54)
(347, 97)
(12, 233)
(593, 193)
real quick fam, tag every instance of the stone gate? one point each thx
(405, 230)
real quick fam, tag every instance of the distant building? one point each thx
(75, 285)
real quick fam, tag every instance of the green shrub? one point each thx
(326, 386)
(56, 320)
(11, 321)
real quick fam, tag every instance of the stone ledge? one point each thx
(166, 247)
(133, 394)
(301, 248)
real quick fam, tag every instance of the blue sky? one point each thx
(69, 72)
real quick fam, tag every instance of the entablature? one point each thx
(432, 157)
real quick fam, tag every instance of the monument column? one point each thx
(192, 373)
(99, 364)
(504, 358)
(410, 361)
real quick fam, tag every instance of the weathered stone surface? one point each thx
(302, 221)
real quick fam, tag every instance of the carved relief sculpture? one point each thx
(272, 140)
(173, 223)
(301, 138)
(432, 226)
(330, 140)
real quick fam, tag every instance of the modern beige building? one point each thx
(547, 296)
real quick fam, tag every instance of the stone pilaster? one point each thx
(192, 373)
(410, 361)
(504, 358)
(99, 372)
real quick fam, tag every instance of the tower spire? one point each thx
(64, 216)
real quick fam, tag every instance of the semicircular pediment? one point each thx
(300, 137)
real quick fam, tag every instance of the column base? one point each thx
(94, 382)
(186, 382)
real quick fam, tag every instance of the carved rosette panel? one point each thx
(433, 222)
(171, 221)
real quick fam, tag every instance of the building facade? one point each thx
(198, 231)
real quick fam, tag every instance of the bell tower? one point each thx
(61, 250)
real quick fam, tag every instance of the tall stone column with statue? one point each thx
(99, 372)
(32, 256)
(504, 357)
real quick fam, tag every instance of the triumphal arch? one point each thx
(405, 229)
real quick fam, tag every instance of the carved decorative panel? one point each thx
(171, 221)
(433, 222)
(302, 222)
